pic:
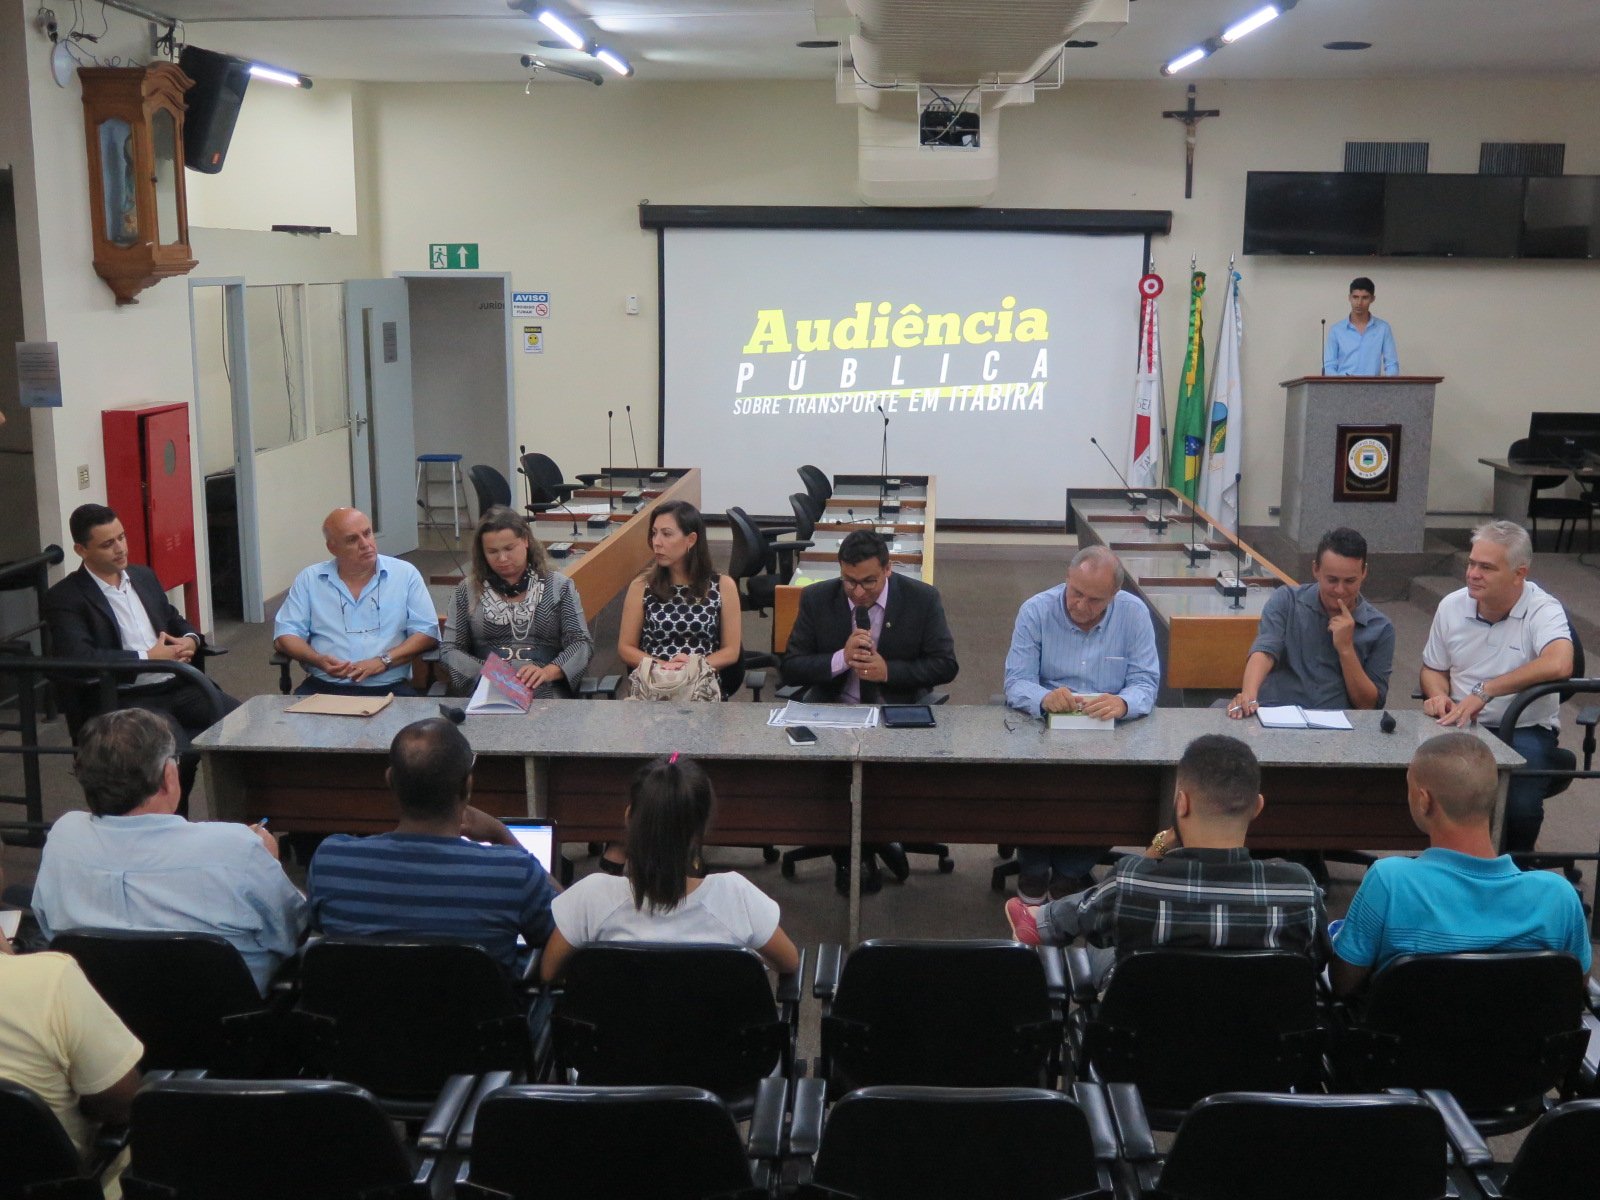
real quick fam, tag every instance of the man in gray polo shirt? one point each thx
(1321, 645)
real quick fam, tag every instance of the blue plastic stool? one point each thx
(458, 497)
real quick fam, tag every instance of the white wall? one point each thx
(300, 485)
(291, 161)
(549, 186)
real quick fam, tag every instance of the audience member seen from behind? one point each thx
(1197, 886)
(356, 621)
(669, 806)
(131, 862)
(60, 1039)
(431, 875)
(1489, 640)
(514, 605)
(1459, 894)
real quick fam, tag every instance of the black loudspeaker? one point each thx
(214, 100)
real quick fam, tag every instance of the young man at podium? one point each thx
(1361, 344)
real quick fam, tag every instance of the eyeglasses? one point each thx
(860, 585)
(359, 617)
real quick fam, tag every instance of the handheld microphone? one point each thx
(1322, 350)
(1136, 500)
(863, 618)
(1387, 721)
(869, 691)
(610, 482)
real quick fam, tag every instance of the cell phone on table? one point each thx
(801, 735)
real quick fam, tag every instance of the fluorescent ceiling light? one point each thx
(616, 63)
(1250, 24)
(1187, 59)
(278, 75)
(561, 29)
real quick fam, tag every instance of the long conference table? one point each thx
(984, 774)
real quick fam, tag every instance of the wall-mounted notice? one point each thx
(530, 304)
(39, 374)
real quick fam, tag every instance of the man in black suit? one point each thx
(868, 638)
(902, 649)
(116, 612)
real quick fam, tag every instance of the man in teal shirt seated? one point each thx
(1458, 895)
(1361, 344)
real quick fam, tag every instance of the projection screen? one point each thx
(993, 355)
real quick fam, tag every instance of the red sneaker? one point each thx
(1023, 927)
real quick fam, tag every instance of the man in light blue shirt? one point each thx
(132, 863)
(1082, 646)
(356, 621)
(1458, 895)
(1361, 344)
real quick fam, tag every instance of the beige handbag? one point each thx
(695, 681)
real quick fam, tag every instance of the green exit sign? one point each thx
(453, 256)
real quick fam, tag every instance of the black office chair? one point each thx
(667, 1143)
(490, 487)
(807, 512)
(1497, 1031)
(698, 1016)
(40, 1159)
(187, 996)
(1562, 1147)
(413, 1020)
(546, 489)
(204, 1139)
(759, 561)
(1260, 1146)
(1186, 1024)
(975, 1143)
(817, 485)
(1566, 511)
(974, 1013)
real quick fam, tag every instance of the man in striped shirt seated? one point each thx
(431, 875)
(1459, 894)
(1196, 886)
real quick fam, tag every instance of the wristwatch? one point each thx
(1477, 690)
(386, 660)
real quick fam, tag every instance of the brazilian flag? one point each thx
(1189, 427)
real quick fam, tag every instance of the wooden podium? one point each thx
(1355, 452)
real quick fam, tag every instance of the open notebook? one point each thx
(1292, 716)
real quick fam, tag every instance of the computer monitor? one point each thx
(1576, 433)
(537, 837)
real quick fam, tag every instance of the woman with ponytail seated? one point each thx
(514, 605)
(661, 899)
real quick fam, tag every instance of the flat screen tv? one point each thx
(1313, 212)
(1452, 216)
(1561, 217)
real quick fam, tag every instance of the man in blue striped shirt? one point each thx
(430, 875)
(1082, 646)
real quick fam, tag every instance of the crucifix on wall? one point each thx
(1191, 118)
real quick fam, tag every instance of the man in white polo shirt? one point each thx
(1491, 639)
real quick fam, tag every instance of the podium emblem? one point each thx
(1364, 466)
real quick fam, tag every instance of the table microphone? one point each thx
(611, 482)
(628, 408)
(1136, 500)
(1322, 350)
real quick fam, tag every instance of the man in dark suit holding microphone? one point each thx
(867, 638)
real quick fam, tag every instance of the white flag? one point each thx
(1144, 441)
(1219, 495)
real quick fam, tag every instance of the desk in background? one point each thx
(854, 505)
(1513, 484)
(1202, 637)
(983, 775)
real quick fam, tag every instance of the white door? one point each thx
(383, 454)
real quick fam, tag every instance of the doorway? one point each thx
(463, 397)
